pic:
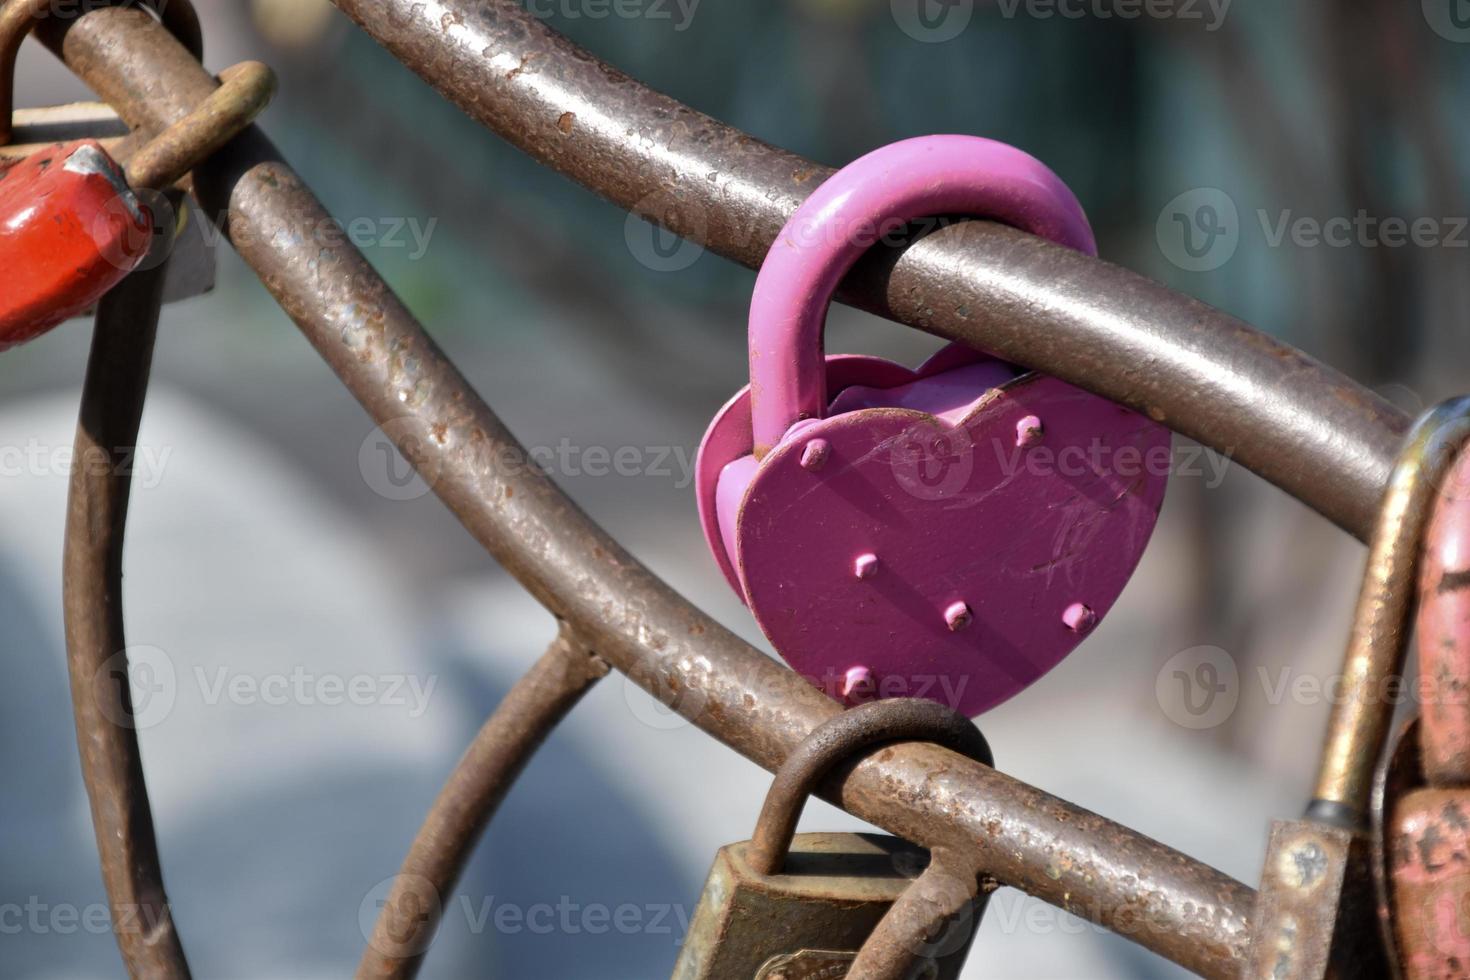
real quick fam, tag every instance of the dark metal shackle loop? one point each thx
(836, 741)
(244, 92)
(17, 17)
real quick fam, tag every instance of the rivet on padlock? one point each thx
(788, 905)
(1315, 912)
(72, 222)
(1007, 509)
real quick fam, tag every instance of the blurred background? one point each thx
(275, 543)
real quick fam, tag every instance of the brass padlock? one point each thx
(787, 906)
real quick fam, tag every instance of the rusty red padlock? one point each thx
(73, 222)
(1427, 829)
(70, 229)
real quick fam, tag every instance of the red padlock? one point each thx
(1427, 829)
(71, 223)
(70, 229)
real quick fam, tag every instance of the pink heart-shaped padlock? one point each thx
(950, 532)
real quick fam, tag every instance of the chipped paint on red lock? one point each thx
(1443, 630)
(70, 230)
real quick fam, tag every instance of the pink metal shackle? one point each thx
(876, 194)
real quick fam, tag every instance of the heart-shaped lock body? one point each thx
(950, 532)
(70, 230)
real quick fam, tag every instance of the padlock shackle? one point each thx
(17, 17)
(244, 92)
(1358, 727)
(839, 739)
(876, 195)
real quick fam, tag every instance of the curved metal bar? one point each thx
(840, 739)
(97, 656)
(1358, 728)
(1325, 440)
(415, 904)
(1063, 854)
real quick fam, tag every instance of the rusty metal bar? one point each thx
(1325, 440)
(535, 705)
(1180, 908)
(97, 658)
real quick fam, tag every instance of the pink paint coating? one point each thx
(1018, 543)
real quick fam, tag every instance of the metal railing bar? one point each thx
(1308, 429)
(97, 657)
(543, 696)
